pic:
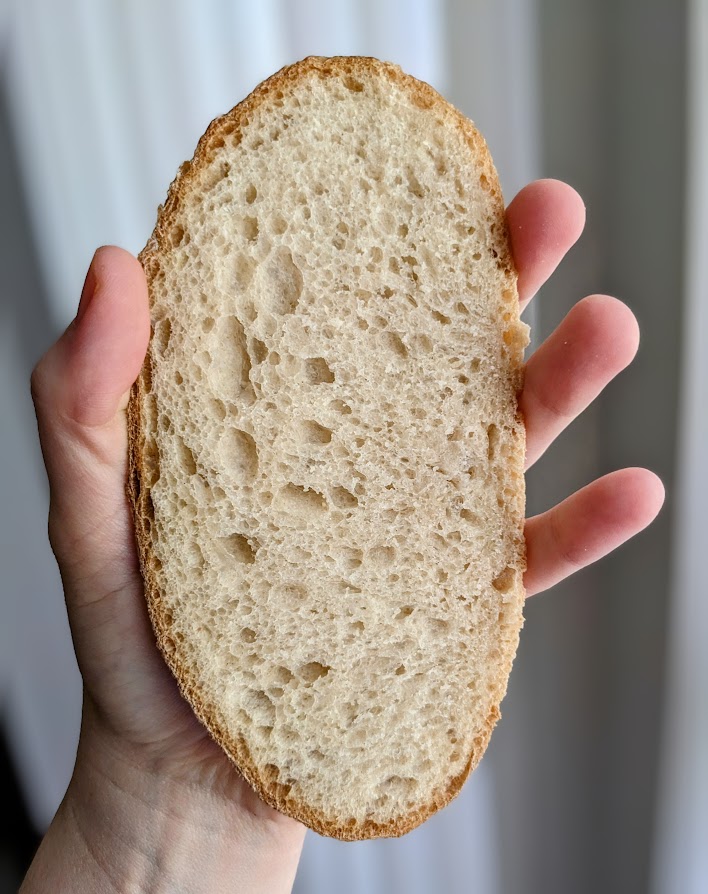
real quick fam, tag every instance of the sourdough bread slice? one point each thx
(325, 450)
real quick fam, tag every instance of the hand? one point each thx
(152, 796)
(153, 803)
(596, 340)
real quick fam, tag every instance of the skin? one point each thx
(153, 804)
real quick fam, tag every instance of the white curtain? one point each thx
(106, 100)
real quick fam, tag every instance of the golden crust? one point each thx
(263, 782)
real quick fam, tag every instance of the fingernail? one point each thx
(87, 291)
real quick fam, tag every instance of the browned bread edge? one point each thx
(267, 786)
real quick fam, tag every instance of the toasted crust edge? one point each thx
(267, 787)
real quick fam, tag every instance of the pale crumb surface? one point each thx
(332, 449)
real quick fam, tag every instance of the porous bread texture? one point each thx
(326, 453)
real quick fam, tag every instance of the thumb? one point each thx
(80, 390)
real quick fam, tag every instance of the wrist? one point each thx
(131, 828)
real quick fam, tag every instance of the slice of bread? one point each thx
(326, 453)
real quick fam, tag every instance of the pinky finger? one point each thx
(588, 525)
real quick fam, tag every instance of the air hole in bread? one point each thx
(176, 235)
(249, 228)
(258, 351)
(193, 555)
(185, 457)
(492, 441)
(422, 343)
(353, 84)
(404, 612)
(261, 706)
(312, 671)
(299, 500)
(313, 433)
(217, 409)
(282, 674)
(394, 344)
(203, 359)
(504, 582)
(161, 335)
(340, 407)
(317, 371)
(278, 225)
(352, 557)
(233, 367)
(283, 284)
(237, 546)
(381, 556)
(244, 268)
(240, 454)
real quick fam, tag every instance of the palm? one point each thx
(80, 390)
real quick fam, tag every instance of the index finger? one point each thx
(545, 220)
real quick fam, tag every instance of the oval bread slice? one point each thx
(326, 453)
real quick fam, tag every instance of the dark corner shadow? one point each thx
(18, 837)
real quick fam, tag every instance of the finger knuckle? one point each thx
(567, 550)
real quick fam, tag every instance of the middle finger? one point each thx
(596, 340)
